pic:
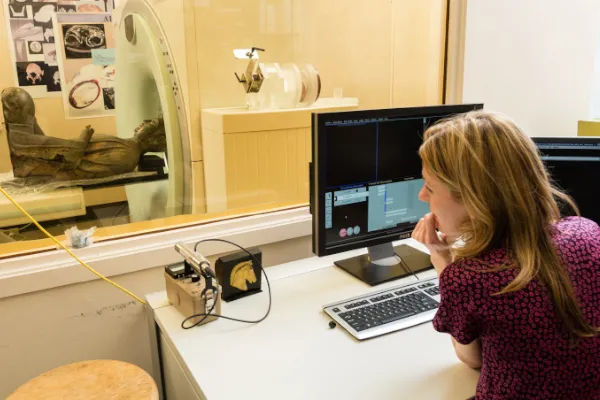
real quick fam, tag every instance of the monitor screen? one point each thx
(367, 175)
(574, 165)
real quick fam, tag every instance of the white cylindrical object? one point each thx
(286, 86)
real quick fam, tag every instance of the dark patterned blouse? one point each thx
(526, 351)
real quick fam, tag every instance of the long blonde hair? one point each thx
(491, 166)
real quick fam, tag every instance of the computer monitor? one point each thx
(574, 165)
(365, 181)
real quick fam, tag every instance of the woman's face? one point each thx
(448, 211)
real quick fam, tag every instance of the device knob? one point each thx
(195, 278)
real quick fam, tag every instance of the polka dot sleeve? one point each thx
(458, 314)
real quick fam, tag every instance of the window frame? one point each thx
(46, 270)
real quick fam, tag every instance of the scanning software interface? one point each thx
(575, 168)
(373, 178)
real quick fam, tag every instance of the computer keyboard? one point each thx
(388, 310)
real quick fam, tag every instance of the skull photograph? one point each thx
(31, 73)
(80, 40)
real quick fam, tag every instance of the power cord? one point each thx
(210, 314)
(45, 232)
(406, 267)
(118, 213)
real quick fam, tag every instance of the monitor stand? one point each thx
(385, 263)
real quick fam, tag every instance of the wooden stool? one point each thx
(97, 379)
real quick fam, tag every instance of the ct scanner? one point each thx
(147, 86)
(210, 169)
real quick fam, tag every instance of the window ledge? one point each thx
(56, 268)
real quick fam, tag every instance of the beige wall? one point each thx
(418, 52)
(93, 320)
(351, 46)
(386, 53)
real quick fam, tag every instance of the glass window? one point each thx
(143, 115)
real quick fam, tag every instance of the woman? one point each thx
(520, 287)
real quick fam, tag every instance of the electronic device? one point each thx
(196, 260)
(192, 287)
(192, 295)
(239, 274)
(365, 180)
(574, 165)
(386, 311)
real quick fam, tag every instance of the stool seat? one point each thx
(90, 380)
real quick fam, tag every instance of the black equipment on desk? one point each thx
(574, 165)
(365, 180)
(239, 274)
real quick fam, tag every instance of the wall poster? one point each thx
(32, 43)
(86, 56)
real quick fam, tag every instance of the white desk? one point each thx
(293, 354)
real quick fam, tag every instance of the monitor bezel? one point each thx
(317, 189)
(565, 139)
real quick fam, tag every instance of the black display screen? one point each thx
(574, 165)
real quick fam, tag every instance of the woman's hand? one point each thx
(439, 249)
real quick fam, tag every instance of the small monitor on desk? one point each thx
(574, 165)
(365, 181)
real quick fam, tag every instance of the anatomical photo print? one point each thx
(66, 7)
(109, 98)
(52, 79)
(25, 30)
(50, 56)
(43, 12)
(91, 6)
(32, 73)
(19, 9)
(34, 48)
(36, 45)
(42, 17)
(81, 39)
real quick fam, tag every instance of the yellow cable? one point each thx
(41, 228)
